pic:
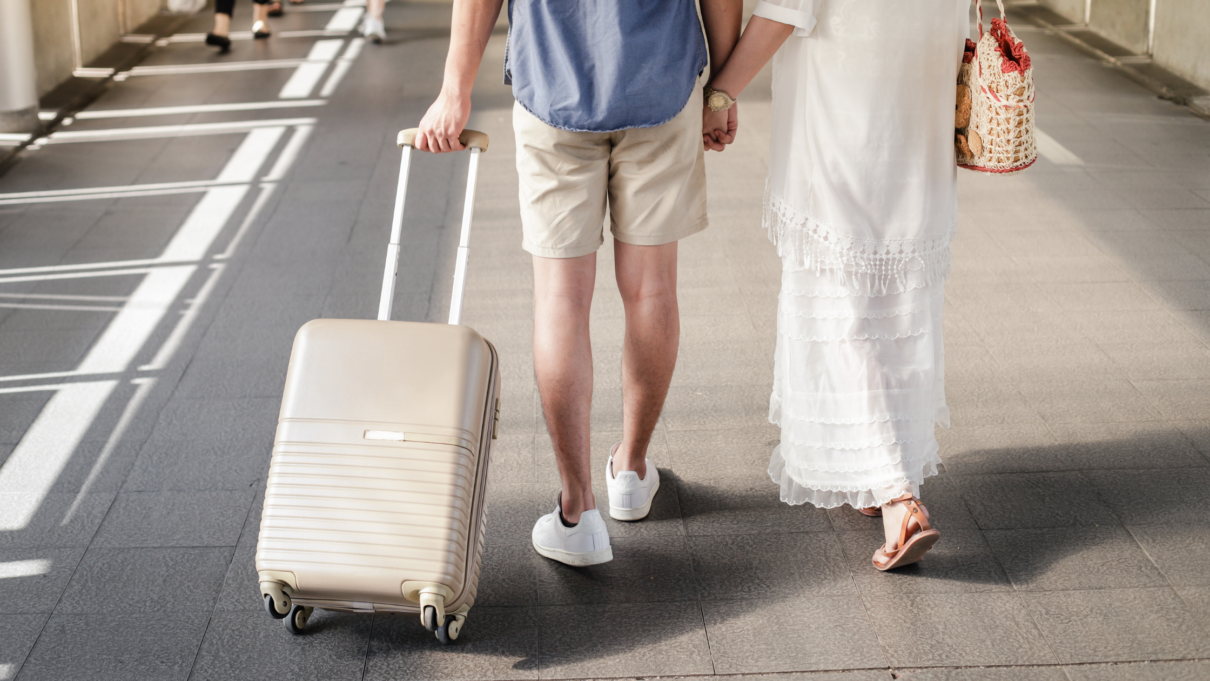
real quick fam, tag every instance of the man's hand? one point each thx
(719, 127)
(444, 121)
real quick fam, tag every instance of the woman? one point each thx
(261, 11)
(861, 203)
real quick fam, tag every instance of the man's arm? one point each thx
(721, 19)
(472, 26)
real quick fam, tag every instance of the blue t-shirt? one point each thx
(603, 65)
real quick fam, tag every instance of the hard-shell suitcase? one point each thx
(375, 494)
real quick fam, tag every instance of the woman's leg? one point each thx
(222, 16)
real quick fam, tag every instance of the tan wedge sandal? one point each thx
(916, 537)
(873, 512)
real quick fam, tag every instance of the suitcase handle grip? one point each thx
(471, 139)
(477, 143)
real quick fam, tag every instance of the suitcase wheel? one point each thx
(448, 633)
(296, 622)
(429, 618)
(271, 607)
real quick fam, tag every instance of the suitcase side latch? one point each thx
(496, 422)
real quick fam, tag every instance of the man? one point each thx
(609, 115)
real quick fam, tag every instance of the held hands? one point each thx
(719, 127)
(444, 121)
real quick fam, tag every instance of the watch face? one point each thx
(717, 101)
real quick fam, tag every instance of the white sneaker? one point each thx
(585, 544)
(373, 29)
(629, 496)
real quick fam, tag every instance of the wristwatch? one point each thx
(718, 100)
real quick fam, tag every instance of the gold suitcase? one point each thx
(375, 496)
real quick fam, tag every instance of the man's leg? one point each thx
(646, 278)
(563, 364)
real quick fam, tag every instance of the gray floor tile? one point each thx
(175, 519)
(960, 562)
(743, 505)
(509, 576)
(1070, 558)
(119, 646)
(1152, 444)
(496, 643)
(1197, 599)
(1181, 400)
(1117, 625)
(1180, 551)
(648, 570)
(1154, 496)
(1141, 671)
(957, 630)
(146, 580)
(1107, 400)
(195, 465)
(1020, 500)
(252, 645)
(984, 674)
(800, 633)
(721, 453)
(749, 566)
(621, 640)
(31, 580)
(17, 636)
(717, 407)
(51, 526)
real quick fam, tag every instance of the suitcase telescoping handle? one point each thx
(477, 143)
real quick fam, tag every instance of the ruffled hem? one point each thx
(797, 492)
(870, 267)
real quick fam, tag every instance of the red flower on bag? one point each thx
(1013, 50)
(968, 54)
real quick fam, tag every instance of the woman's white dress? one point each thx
(861, 203)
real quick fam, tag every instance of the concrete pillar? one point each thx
(18, 80)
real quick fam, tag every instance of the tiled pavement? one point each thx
(1075, 502)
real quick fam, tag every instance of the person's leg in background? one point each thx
(372, 26)
(222, 25)
(261, 9)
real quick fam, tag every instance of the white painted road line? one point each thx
(286, 159)
(24, 568)
(346, 19)
(128, 414)
(152, 132)
(196, 109)
(55, 296)
(57, 276)
(223, 67)
(58, 306)
(342, 66)
(32, 468)
(35, 465)
(307, 75)
(1056, 153)
(57, 195)
(86, 266)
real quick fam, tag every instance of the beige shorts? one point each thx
(653, 181)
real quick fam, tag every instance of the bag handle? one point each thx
(979, 9)
(477, 142)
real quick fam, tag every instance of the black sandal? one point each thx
(222, 42)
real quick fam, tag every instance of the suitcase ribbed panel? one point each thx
(352, 518)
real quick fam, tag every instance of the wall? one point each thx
(101, 25)
(1181, 42)
(1181, 26)
(1122, 21)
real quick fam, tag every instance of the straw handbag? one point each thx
(994, 118)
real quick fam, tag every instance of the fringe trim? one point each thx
(871, 267)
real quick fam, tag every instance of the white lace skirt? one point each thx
(858, 388)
